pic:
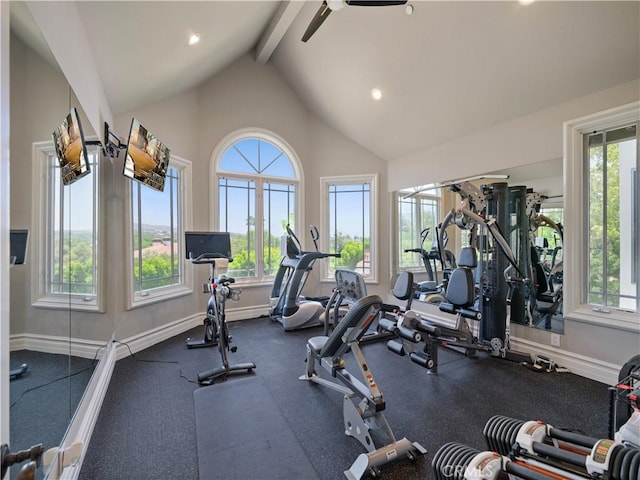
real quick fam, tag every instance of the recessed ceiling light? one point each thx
(408, 9)
(525, 2)
(193, 39)
(376, 94)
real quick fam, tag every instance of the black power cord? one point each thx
(169, 362)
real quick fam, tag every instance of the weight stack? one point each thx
(500, 433)
(451, 461)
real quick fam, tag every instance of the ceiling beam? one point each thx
(278, 26)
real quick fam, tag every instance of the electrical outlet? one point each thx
(555, 340)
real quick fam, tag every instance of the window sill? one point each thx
(618, 319)
(65, 302)
(150, 297)
(367, 281)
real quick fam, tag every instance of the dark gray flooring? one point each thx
(44, 399)
(146, 428)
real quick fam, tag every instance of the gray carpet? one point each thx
(147, 426)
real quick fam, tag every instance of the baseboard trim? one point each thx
(246, 313)
(149, 338)
(140, 341)
(75, 347)
(582, 365)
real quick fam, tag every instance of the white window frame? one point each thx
(215, 173)
(42, 236)
(325, 241)
(419, 266)
(185, 287)
(576, 229)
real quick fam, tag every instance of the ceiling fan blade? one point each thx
(318, 19)
(375, 3)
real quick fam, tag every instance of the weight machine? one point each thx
(546, 288)
(363, 402)
(483, 290)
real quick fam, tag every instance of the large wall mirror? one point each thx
(533, 226)
(544, 299)
(58, 328)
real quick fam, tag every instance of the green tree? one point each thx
(351, 254)
(604, 235)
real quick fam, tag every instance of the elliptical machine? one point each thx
(287, 305)
(431, 290)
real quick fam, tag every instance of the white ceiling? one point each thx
(449, 69)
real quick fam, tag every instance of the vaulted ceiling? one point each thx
(446, 70)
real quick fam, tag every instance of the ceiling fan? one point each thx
(329, 6)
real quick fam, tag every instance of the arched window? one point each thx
(256, 186)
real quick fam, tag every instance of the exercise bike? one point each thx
(207, 248)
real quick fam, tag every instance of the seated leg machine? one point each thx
(364, 403)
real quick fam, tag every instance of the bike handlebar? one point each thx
(226, 280)
(208, 258)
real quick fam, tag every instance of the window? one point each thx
(66, 237)
(601, 218)
(257, 181)
(348, 224)
(611, 160)
(415, 213)
(158, 268)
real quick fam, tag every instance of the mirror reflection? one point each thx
(57, 332)
(543, 261)
(527, 205)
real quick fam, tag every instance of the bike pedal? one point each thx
(234, 349)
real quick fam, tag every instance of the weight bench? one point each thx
(367, 415)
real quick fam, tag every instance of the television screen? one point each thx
(71, 148)
(212, 243)
(146, 159)
(18, 241)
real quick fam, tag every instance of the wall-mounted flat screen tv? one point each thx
(147, 159)
(71, 148)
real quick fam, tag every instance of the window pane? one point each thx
(278, 211)
(596, 225)
(237, 199)
(612, 247)
(155, 240)
(349, 227)
(407, 232)
(73, 217)
(256, 156)
(414, 215)
(551, 254)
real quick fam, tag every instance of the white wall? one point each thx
(245, 95)
(529, 139)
